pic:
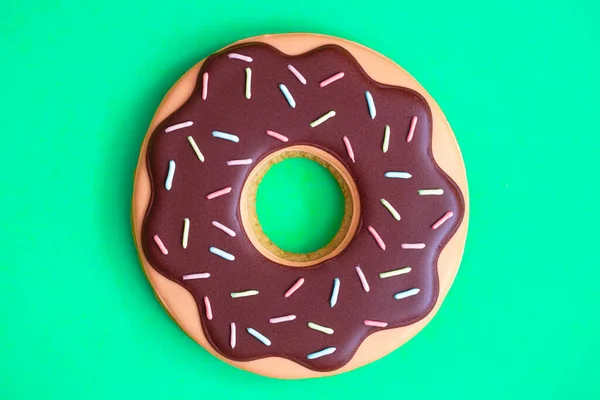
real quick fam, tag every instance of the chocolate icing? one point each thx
(227, 109)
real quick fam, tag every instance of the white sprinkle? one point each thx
(413, 246)
(324, 352)
(371, 104)
(259, 336)
(170, 174)
(248, 82)
(320, 328)
(386, 139)
(362, 278)
(232, 337)
(407, 293)
(226, 136)
(186, 232)
(322, 119)
(245, 161)
(179, 126)
(204, 86)
(225, 229)
(395, 272)
(287, 95)
(335, 292)
(196, 149)
(247, 293)
(285, 318)
(237, 56)
(391, 209)
(431, 192)
(202, 275)
(221, 253)
(209, 314)
(297, 74)
(397, 175)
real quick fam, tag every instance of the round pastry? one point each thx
(386, 270)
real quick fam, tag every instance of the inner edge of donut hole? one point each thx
(347, 228)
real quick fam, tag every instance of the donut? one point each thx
(385, 272)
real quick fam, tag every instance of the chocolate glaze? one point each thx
(226, 109)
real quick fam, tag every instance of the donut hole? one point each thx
(300, 206)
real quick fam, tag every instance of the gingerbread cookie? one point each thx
(384, 273)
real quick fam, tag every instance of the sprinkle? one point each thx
(411, 131)
(349, 148)
(232, 336)
(218, 193)
(324, 352)
(391, 209)
(186, 232)
(376, 237)
(332, 79)
(406, 293)
(237, 56)
(169, 180)
(395, 272)
(397, 175)
(226, 136)
(335, 292)
(179, 126)
(248, 82)
(297, 74)
(440, 221)
(413, 246)
(222, 227)
(221, 253)
(431, 192)
(371, 104)
(209, 314)
(204, 85)
(202, 275)
(377, 324)
(362, 278)
(278, 136)
(386, 139)
(160, 245)
(285, 318)
(259, 336)
(287, 95)
(196, 149)
(245, 161)
(322, 119)
(235, 295)
(320, 328)
(294, 287)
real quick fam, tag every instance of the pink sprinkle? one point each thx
(218, 193)
(349, 148)
(297, 74)
(232, 337)
(362, 278)
(332, 79)
(245, 161)
(411, 131)
(377, 324)
(237, 56)
(277, 136)
(413, 246)
(285, 318)
(295, 287)
(445, 218)
(209, 313)
(204, 86)
(161, 245)
(225, 229)
(376, 237)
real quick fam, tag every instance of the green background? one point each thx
(79, 83)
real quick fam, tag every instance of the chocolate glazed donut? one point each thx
(249, 102)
